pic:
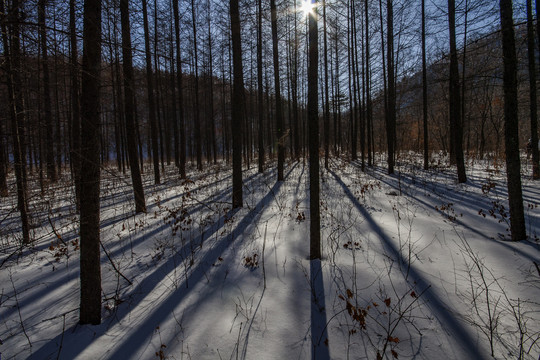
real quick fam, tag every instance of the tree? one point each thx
(424, 89)
(129, 107)
(237, 104)
(12, 51)
(260, 99)
(182, 162)
(532, 91)
(513, 166)
(391, 101)
(197, 121)
(90, 306)
(313, 124)
(151, 100)
(456, 122)
(46, 93)
(326, 96)
(75, 150)
(279, 111)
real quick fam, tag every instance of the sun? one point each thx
(307, 7)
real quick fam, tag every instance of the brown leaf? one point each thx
(387, 302)
(349, 294)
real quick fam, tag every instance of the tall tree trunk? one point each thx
(46, 93)
(511, 123)
(532, 91)
(326, 96)
(129, 94)
(16, 105)
(369, 110)
(456, 122)
(212, 127)
(313, 124)
(182, 162)
(75, 106)
(260, 99)
(424, 89)
(391, 106)
(279, 111)
(151, 99)
(197, 118)
(90, 306)
(237, 105)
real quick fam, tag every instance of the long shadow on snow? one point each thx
(140, 336)
(113, 253)
(319, 333)
(388, 181)
(436, 304)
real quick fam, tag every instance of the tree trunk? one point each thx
(182, 162)
(456, 122)
(237, 105)
(129, 87)
(260, 99)
(151, 100)
(12, 53)
(197, 118)
(532, 91)
(90, 306)
(424, 89)
(279, 111)
(313, 123)
(511, 138)
(326, 95)
(391, 106)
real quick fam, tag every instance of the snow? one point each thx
(411, 268)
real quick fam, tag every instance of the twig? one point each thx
(537, 267)
(113, 265)
(19, 308)
(62, 339)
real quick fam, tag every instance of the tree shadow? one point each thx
(129, 345)
(319, 332)
(439, 308)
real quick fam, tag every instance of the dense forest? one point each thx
(163, 94)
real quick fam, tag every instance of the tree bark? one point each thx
(237, 105)
(46, 93)
(532, 91)
(279, 111)
(424, 89)
(513, 167)
(182, 162)
(197, 118)
(456, 122)
(151, 100)
(90, 306)
(313, 123)
(391, 106)
(260, 97)
(129, 94)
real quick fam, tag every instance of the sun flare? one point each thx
(307, 7)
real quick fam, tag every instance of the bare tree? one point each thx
(237, 104)
(90, 306)
(12, 51)
(456, 121)
(129, 107)
(313, 124)
(424, 89)
(279, 111)
(151, 100)
(391, 104)
(532, 91)
(260, 99)
(197, 120)
(46, 93)
(513, 167)
(182, 162)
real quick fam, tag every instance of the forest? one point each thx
(342, 179)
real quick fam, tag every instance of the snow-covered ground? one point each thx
(414, 266)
